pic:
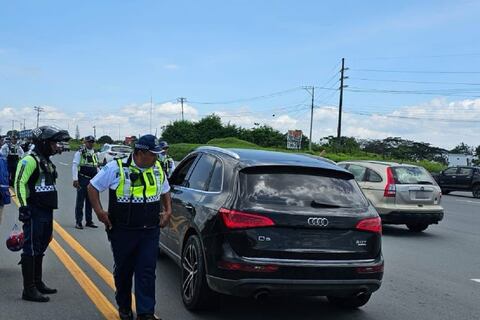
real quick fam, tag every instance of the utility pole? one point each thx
(181, 100)
(24, 124)
(38, 109)
(340, 102)
(151, 110)
(95, 132)
(311, 90)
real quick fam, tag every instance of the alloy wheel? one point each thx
(190, 271)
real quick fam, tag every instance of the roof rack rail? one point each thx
(218, 149)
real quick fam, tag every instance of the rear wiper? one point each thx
(316, 204)
(424, 182)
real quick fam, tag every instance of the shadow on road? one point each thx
(236, 308)
(401, 231)
(461, 195)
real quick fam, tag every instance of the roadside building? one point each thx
(458, 159)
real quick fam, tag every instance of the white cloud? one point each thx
(171, 66)
(135, 119)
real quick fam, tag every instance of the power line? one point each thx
(417, 71)
(417, 82)
(413, 118)
(270, 95)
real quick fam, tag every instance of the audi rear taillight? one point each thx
(370, 224)
(390, 188)
(234, 219)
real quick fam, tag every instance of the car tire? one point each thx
(417, 227)
(444, 191)
(476, 191)
(196, 294)
(351, 302)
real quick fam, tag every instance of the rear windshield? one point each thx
(121, 149)
(302, 190)
(412, 175)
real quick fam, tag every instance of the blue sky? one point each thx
(99, 62)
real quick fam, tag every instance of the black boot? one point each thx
(30, 292)
(41, 287)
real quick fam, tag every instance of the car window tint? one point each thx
(201, 173)
(372, 176)
(465, 171)
(272, 189)
(216, 179)
(357, 171)
(412, 175)
(179, 175)
(450, 171)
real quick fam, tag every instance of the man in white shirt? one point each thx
(84, 168)
(139, 205)
(13, 152)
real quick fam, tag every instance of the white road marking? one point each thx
(476, 280)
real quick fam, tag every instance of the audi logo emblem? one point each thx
(317, 222)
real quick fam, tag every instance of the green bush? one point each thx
(179, 150)
(233, 143)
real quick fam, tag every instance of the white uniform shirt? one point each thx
(76, 162)
(109, 177)
(5, 150)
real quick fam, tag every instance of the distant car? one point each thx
(112, 151)
(460, 179)
(401, 193)
(258, 223)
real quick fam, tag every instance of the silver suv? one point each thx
(401, 193)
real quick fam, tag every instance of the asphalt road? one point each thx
(427, 275)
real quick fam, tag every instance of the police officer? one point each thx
(84, 168)
(12, 151)
(167, 162)
(37, 195)
(138, 189)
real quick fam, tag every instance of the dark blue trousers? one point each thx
(38, 231)
(82, 197)
(135, 255)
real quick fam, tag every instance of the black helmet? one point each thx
(89, 139)
(164, 144)
(50, 133)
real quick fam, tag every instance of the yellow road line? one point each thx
(14, 198)
(90, 289)
(89, 258)
(97, 297)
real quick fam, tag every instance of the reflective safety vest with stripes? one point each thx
(136, 201)
(88, 164)
(41, 185)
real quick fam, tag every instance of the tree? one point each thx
(180, 132)
(105, 139)
(77, 133)
(477, 151)
(463, 149)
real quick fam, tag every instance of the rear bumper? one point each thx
(249, 287)
(398, 217)
(310, 279)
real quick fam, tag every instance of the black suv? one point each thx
(258, 223)
(460, 179)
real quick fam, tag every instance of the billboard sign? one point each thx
(294, 139)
